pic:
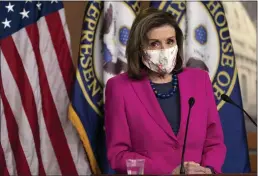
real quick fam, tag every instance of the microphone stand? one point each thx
(182, 168)
(229, 100)
(250, 118)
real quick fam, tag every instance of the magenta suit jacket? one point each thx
(136, 126)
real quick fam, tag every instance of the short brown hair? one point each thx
(146, 20)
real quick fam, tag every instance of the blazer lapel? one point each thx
(185, 94)
(147, 97)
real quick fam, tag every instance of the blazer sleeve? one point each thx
(118, 134)
(214, 151)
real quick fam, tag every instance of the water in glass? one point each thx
(135, 166)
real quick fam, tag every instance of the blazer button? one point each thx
(176, 146)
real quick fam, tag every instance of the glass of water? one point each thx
(135, 166)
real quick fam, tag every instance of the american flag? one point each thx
(37, 138)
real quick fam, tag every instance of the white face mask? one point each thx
(161, 61)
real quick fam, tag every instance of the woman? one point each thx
(146, 108)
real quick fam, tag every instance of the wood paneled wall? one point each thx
(252, 145)
(74, 12)
(74, 15)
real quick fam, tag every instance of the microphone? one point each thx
(191, 102)
(229, 100)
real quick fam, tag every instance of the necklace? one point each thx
(170, 93)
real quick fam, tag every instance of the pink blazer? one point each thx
(136, 126)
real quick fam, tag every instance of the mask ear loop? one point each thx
(176, 71)
(141, 52)
(141, 55)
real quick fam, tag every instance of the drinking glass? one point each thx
(135, 166)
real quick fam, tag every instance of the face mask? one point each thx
(161, 61)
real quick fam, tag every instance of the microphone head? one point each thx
(226, 98)
(191, 101)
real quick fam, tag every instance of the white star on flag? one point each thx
(6, 23)
(9, 7)
(38, 5)
(52, 1)
(25, 13)
(28, 1)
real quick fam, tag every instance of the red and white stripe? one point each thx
(37, 138)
